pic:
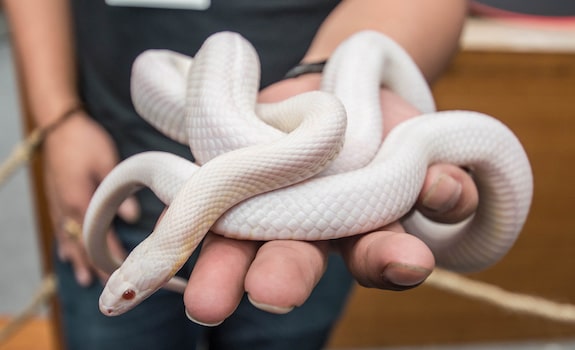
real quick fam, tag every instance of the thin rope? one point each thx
(20, 155)
(494, 295)
(23, 151)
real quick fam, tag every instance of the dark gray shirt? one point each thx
(109, 38)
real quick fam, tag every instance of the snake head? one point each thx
(134, 281)
(126, 288)
(120, 295)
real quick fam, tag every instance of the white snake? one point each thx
(210, 104)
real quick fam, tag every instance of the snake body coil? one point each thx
(257, 178)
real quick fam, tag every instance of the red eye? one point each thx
(128, 294)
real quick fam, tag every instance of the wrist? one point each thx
(287, 88)
(48, 111)
(57, 121)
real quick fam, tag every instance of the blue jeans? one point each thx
(160, 323)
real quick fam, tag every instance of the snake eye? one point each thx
(128, 294)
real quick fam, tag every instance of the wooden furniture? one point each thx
(530, 85)
(37, 334)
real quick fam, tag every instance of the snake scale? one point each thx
(312, 167)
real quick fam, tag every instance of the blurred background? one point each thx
(20, 263)
(518, 64)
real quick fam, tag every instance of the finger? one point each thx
(284, 274)
(116, 250)
(395, 110)
(71, 249)
(70, 206)
(216, 284)
(129, 210)
(82, 269)
(388, 259)
(448, 195)
(115, 246)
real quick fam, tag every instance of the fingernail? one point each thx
(400, 277)
(270, 308)
(202, 323)
(443, 194)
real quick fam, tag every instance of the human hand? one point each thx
(280, 275)
(77, 156)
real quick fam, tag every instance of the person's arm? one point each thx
(427, 30)
(42, 39)
(78, 153)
